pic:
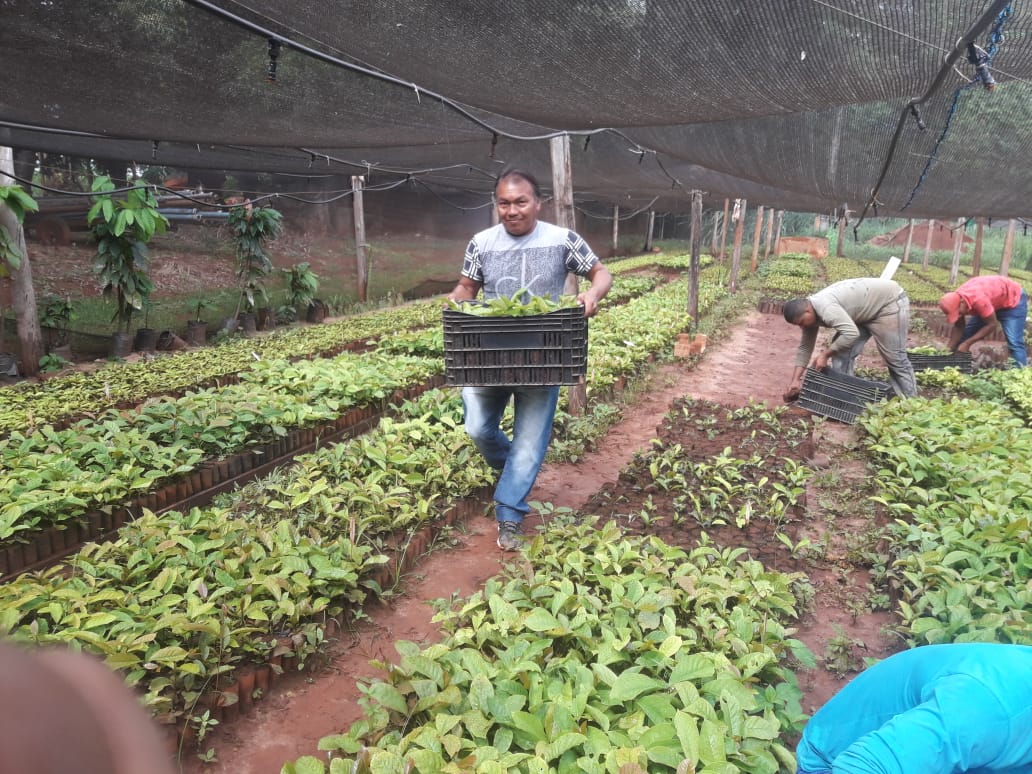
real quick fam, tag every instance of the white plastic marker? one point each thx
(890, 268)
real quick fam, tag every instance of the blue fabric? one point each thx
(938, 709)
(1013, 323)
(520, 458)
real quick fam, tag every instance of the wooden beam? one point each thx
(843, 214)
(648, 231)
(777, 232)
(616, 228)
(770, 231)
(23, 292)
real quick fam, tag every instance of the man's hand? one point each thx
(964, 346)
(588, 301)
(820, 362)
(791, 393)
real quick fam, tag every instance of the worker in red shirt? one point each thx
(991, 300)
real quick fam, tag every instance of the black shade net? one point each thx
(788, 103)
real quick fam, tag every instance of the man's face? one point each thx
(807, 319)
(518, 208)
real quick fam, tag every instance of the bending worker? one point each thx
(858, 309)
(990, 300)
(936, 709)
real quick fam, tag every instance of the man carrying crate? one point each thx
(520, 253)
(858, 309)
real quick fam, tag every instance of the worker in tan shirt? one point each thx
(857, 309)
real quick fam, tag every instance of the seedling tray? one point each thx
(961, 361)
(839, 396)
(543, 349)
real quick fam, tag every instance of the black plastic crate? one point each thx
(961, 361)
(839, 396)
(540, 349)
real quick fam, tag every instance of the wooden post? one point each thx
(1008, 247)
(841, 231)
(770, 231)
(716, 232)
(361, 256)
(23, 293)
(495, 219)
(723, 230)
(928, 243)
(958, 245)
(736, 255)
(693, 264)
(616, 228)
(777, 232)
(976, 261)
(562, 187)
(910, 240)
(756, 240)
(648, 231)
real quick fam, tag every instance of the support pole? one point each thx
(694, 262)
(714, 238)
(1008, 247)
(565, 217)
(616, 228)
(562, 187)
(928, 243)
(843, 214)
(723, 231)
(361, 256)
(976, 262)
(23, 293)
(736, 255)
(910, 240)
(777, 232)
(770, 231)
(648, 231)
(958, 245)
(756, 240)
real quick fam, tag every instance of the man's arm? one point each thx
(466, 290)
(989, 324)
(601, 281)
(956, 334)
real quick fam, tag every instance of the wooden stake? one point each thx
(841, 231)
(648, 231)
(777, 232)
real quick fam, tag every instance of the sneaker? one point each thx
(509, 536)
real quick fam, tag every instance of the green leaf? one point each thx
(631, 684)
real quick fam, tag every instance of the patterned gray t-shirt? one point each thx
(537, 262)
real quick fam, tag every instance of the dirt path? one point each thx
(751, 364)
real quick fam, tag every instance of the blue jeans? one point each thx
(889, 330)
(1013, 323)
(519, 459)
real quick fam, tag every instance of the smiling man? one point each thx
(525, 254)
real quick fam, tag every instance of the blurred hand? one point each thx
(791, 393)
